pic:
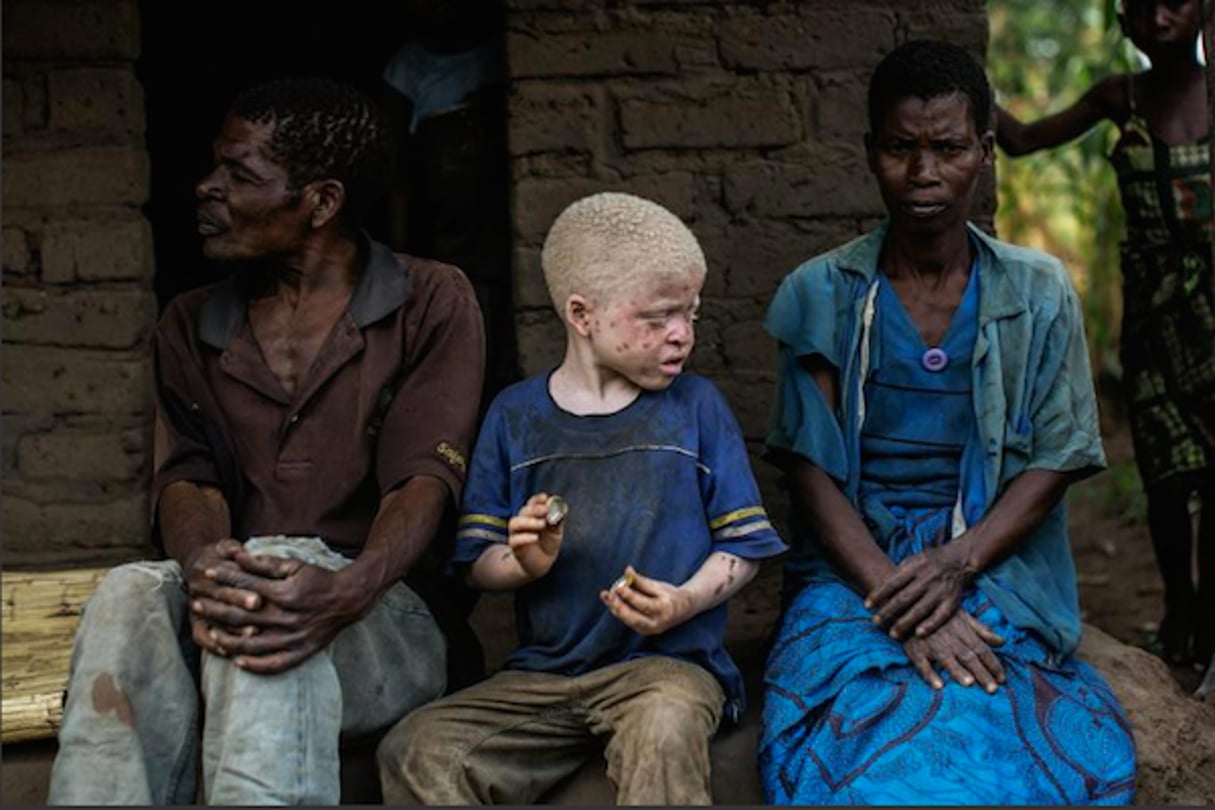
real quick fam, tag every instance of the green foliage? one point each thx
(1042, 56)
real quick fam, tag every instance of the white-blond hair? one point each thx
(606, 243)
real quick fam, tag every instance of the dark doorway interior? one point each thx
(196, 56)
(450, 200)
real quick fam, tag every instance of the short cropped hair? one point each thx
(324, 129)
(928, 69)
(606, 243)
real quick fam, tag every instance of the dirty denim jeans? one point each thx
(509, 739)
(130, 725)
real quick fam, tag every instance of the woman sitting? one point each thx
(933, 405)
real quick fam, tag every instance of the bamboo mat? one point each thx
(38, 623)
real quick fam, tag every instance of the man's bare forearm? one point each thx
(403, 529)
(192, 516)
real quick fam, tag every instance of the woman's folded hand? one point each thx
(962, 646)
(923, 592)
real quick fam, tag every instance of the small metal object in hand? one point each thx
(625, 581)
(557, 510)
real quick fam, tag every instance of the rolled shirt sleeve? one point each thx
(803, 319)
(1063, 405)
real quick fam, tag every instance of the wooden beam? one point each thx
(39, 611)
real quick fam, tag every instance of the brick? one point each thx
(16, 428)
(12, 110)
(75, 455)
(552, 164)
(42, 530)
(750, 397)
(759, 254)
(71, 29)
(33, 102)
(517, 6)
(97, 250)
(550, 116)
(541, 336)
(838, 113)
(111, 319)
(50, 381)
(530, 290)
(92, 176)
(707, 357)
(589, 53)
(962, 26)
(837, 185)
(814, 40)
(741, 114)
(537, 202)
(105, 99)
(747, 345)
(16, 252)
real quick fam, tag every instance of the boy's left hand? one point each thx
(649, 606)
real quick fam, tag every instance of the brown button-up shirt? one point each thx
(393, 393)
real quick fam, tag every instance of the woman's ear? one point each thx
(987, 142)
(327, 198)
(578, 314)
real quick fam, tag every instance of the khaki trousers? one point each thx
(510, 738)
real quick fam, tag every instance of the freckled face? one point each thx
(647, 333)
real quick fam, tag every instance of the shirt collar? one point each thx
(382, 288)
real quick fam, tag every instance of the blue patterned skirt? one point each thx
(848, 720)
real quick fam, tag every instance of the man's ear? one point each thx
(327, 198)
(578, 314)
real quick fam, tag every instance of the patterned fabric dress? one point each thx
(1168, 325)
(847, 719)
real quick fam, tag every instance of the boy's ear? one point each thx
(578, 314)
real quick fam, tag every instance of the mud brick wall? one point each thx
(746, 119)
(78, 307)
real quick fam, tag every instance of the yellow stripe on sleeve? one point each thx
(737, 515)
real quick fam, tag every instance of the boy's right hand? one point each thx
(534, 542)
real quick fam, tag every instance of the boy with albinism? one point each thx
(620, 603)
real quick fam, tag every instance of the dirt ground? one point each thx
(1120, 586)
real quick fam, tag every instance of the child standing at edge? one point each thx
(1168, 327)
(620, 609)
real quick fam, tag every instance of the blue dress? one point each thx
(847, 719)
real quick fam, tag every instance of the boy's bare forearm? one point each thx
(720, 576)
(497, 569)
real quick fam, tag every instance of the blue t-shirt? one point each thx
(658, 485)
